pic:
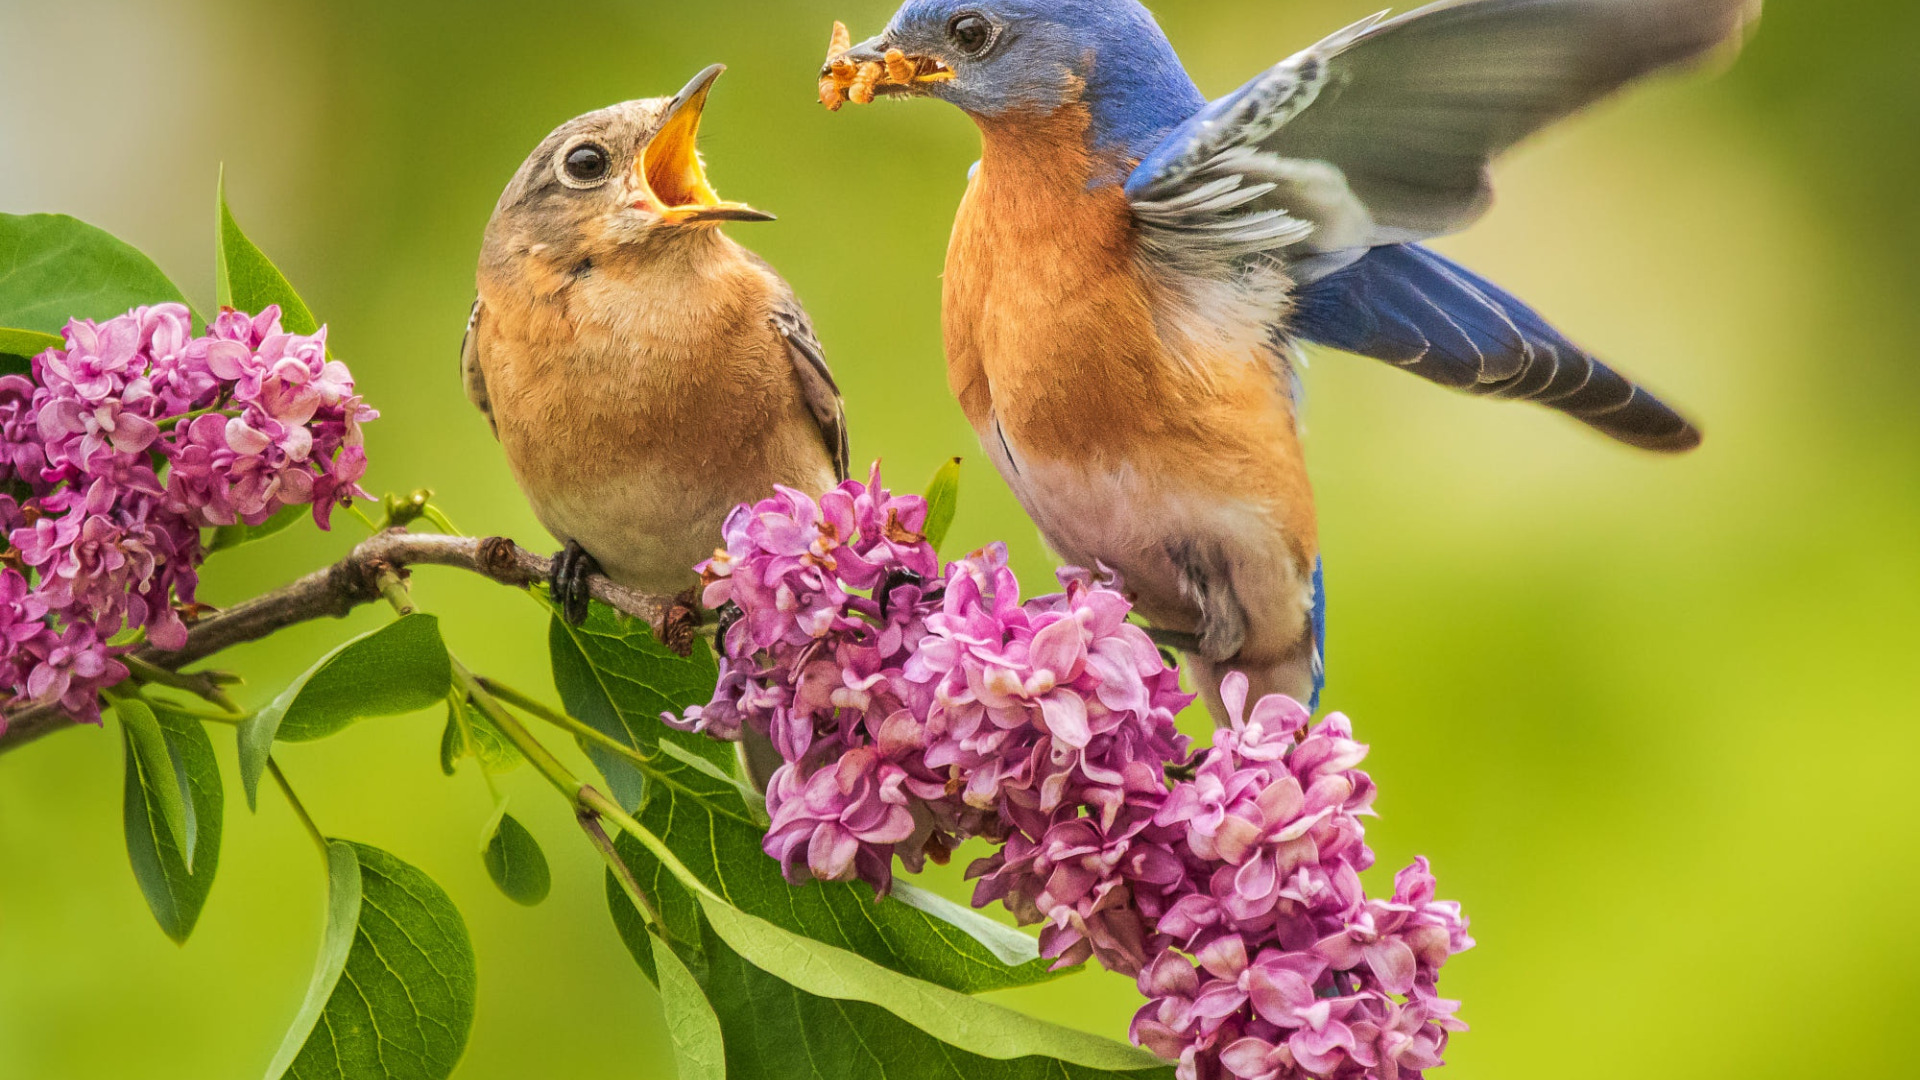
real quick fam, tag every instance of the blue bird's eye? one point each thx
(971, 33)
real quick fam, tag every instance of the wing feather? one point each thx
(817, 387)
(471, 374)
(1383, 132)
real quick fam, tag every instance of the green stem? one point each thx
(372, 529)
(612, 811)
(456, 701)
(395, 592)
(208, 715)
(172, 422)
(584, 797)
(530, 748)
(440, 520)
(299, 810)
(198, 684)
(528, 704)
(590, 823)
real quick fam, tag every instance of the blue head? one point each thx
(1009, 57)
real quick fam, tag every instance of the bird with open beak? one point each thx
(644, 373)
(1134, 269)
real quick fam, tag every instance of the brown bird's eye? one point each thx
(586, 163)
(970, 32)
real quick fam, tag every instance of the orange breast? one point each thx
(1051, 330)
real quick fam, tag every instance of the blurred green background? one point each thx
(1655, 721)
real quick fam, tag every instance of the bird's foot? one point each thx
(682, 624)
(569, 580)
(895, 579)
(730, 613)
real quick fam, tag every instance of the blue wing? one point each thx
(1382, 133)
(1412, 308)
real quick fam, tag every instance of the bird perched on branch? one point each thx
(645, 373)
(1134, 268)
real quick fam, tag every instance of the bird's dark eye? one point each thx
(586, 163)
(971, 33)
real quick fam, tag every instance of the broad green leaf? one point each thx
(720, 844)
(774, 1029)
(515, 862)
(392, 994)
(54, 268)
(698, 1050)
(232, 536)
(246, 279)
(469, 732)
(174, 893)
(980, 1027)
(399, 668)
(613, 674)
(11, 364)
(159, 772)
(943, 499)
(27, 343)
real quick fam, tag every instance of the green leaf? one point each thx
(246, 279)
(699, 1053)
(974, 1025)
(232, 536)
(54, 268)
(400, 668)
(943, 499)
(392, 994)
(720, 843)
(613, 674)
(468, 731)
(160, 774)
(11, 364)
(515, 862)
(26, 343)
(826, 1024)
(175, 892)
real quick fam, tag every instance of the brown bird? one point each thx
(644, 372)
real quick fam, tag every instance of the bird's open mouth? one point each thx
(849, 76)
(668, 176)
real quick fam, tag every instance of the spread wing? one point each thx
(1334, 161)
(471, 375)
(817, 387)
(1382, 133)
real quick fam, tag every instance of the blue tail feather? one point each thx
(1414, 309)
(1319, 619)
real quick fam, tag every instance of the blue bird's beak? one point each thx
(668, 174)
(858, 73)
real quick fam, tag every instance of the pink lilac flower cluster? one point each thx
(1275, 964)
(122, 446)
(916, 707)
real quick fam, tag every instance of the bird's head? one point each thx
(621, 175)
(1000, 58)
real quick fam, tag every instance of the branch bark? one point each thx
(335, 590)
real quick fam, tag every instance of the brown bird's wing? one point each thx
(470, 373)
(817, 387)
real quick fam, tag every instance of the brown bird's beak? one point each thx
(668, 174)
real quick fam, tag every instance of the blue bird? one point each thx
(1134, 269)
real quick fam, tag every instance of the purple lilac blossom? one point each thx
(1226, 882)
(124, 445)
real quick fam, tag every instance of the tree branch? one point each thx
(336, 590)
